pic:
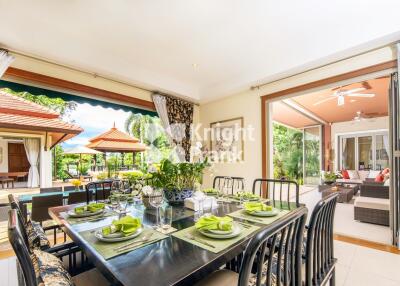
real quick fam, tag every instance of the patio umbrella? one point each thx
(81, 150)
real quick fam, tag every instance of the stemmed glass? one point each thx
(156, 201)
(123, 202)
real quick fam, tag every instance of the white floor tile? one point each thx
(363, 277)
(341, 274)
(344, 252)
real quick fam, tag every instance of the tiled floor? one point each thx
(357, 266)
(361, 266)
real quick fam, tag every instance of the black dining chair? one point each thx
(50, 190)
(282, 193)
(233, 184)
(77, 197)
(101, 190)
(319, 255)
(120, 185)
(26, 261)
(259, 268)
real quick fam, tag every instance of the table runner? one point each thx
(108, 249)
(262, 220)
(220, 244)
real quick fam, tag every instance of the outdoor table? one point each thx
(170, 261)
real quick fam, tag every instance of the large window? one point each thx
(368, 151)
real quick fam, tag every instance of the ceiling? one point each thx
(330, 111)
(198, 49)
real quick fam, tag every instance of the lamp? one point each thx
(340, 99)
(5, 61)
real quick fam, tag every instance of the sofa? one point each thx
(358, 176)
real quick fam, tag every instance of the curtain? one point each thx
(160, 102)
(386, 144)
(180, 116)
(5, 61)
(32, 149)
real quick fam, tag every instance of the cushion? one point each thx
(49, 270)
(363, 174)
(345, 174)
(379, 178)
(372, 174)
(385, 171)
(387, 183)
(372, 203)
(353, 174)
(37, 238)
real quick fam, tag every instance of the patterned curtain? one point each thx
(180, 115)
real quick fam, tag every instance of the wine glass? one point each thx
(156, 201)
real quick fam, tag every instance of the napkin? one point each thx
(126, 225)
(256, 206)
(246, 195)
(93, 207)
(213, 222)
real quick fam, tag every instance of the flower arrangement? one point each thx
(76, 183)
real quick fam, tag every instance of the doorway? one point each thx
(17, 160)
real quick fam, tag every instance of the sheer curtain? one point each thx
(32, 149)
(386, 143)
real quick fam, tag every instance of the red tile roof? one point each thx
(19, 113)
(114, 135)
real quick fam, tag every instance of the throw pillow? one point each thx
(380, 178)
(50, 270)
(345, 174)
(385, 171)
(37, 238)
(372, 174)
(353, 174)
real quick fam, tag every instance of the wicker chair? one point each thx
(50, 190)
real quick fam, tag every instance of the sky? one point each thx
(94, 120)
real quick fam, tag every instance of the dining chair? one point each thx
(280, 192)
(120, 185)
(258, 268)
(50, 190)
(77, 197)
(234, 184)
(41, 205)
(71, 188)
(101, 190)
(319, 255)
(26, 258)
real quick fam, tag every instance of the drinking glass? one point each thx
(114, 201)
(166, 217)
(156, 202)
(123, 202)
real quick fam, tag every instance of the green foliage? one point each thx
(179, 176)
(102, 176)
(132, 176)
(330, 177)
(57, 104)
(288, 153)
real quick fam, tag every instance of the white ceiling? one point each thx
(234, 43)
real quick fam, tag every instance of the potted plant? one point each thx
(178, 179)
(329, 178)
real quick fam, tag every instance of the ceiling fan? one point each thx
(340, 93)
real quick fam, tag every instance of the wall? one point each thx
(4, 163)
(378, 123)
(248, 105)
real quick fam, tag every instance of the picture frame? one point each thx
(226, 140)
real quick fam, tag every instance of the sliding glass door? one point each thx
(312, 155)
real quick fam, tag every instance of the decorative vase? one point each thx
(177, 197)
(146, 201)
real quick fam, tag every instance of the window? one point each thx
(368, 151)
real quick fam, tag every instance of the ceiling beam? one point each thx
(310, 115)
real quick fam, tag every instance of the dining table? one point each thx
(170, 259)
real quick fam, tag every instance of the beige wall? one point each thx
(248, 105)
(3, 155)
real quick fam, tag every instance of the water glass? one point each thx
(123, 202)
(166, 217)
(114, 201)
(156, 202)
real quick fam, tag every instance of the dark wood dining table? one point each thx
(171, 261)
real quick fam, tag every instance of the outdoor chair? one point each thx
(120, 185)
(41, 205)
(26, 259)
(319, 254)
(101, 190)
(234, 184)
(281, 192)
(50, 190)
(71, 188)
(258, 268)
(77, 197)
(70, 176)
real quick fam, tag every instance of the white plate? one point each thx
(217, 231)
(274, 212)
(109, 238)
(237, 230)
(72, 213)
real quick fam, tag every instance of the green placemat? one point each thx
(108, 249)
(76, 220)
(262, 220)
(219, 244)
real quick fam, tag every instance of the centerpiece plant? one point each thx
(178, 180)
